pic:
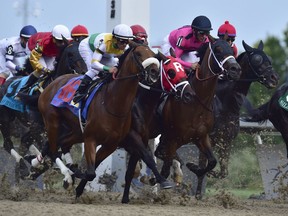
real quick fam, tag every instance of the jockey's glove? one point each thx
(46, 70)
(20, 71)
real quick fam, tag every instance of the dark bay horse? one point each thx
(256, 67)
(109, 114)
(173, 80)
(185, 123)
(69, 61)
(274, 110)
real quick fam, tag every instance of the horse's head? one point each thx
(222, 60)
(145, 61)
(70, 60)
(261, 66)
(174, 79)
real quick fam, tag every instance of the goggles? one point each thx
(203, 32)
(122, 41)
(232, 39)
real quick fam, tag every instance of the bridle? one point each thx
(219, 63)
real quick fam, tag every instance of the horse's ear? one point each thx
(211, 38)
(160, 56)
(66, 42)
(247, 47)
(172, 52)
(132, 44)
(261, 45)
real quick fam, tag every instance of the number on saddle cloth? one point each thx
(66, 93)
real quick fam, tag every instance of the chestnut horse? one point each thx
(185, 123)
(109, 114)
(173, 81)
(69, 61)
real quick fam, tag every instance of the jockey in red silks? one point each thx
(79, 32)
(186, 40)
(230, 30)
(45, 47)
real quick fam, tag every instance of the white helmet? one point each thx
(61, 30)
(122, 31)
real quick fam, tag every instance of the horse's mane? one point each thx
(201, 51)
(123, 56)
(240, 57)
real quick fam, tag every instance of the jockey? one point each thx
(14, 52)
(45, 47)
(79, 32)
(186, 40)
(230, 30)
(100, 53)
(139, 34)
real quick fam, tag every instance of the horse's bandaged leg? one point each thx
(36, 161)
(65, 171)
(68, 158)
(33, 150)
(178, 174)
(15, 155)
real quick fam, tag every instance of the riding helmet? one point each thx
(28, 31)
(122, 31)
(79, 30)
(201, 23)
(139, 31)
(61, 30)
(227, 28)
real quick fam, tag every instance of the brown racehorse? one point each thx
(186, 123)
(173, 80)
(109, 114)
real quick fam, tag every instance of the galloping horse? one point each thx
(275, 110)
(69, 61)
(256, 67)
(186, 123)
(108, 116)
(144, 107)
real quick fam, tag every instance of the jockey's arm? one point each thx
(34, 60)
(9, 56)
(96, 59)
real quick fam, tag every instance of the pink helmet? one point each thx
(227, 27)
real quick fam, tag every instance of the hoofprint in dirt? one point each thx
(18, 200)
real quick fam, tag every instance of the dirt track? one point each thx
(18, 201)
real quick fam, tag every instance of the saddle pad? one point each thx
(283, 101)
(65, 94)
(9, 98)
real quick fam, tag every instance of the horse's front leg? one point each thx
(134, 158)
(90, 155)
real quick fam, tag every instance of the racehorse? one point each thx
(109, 114)
(256, 67)
(69, 61)
(274, 110)
(186, 123)
(144, 106)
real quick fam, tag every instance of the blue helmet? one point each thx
(27, 31)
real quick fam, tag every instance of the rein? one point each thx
(220, 65)
(142, 67)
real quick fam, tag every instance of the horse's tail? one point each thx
(259, 114)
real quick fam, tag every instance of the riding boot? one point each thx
(81, 91)
(31, 80)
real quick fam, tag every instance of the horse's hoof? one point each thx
(192, 167)
(29, 158)
(65, 185)
(166, 185)
(198, 196)
(23, 169)
(152, 181)
(125, 200)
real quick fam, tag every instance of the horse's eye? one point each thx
(256, 60)
(171, 73)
